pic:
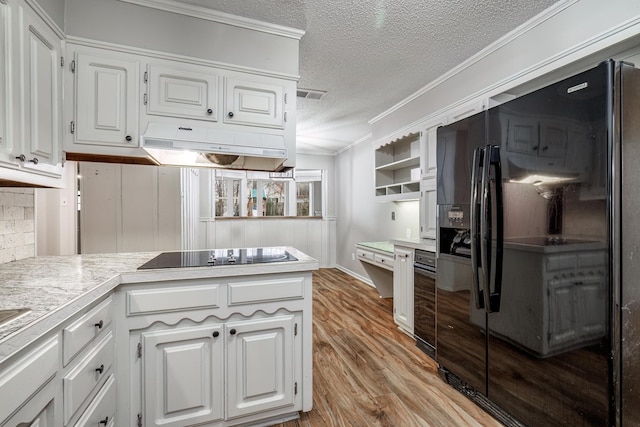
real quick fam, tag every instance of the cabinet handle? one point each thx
(99, 325)
(100, 369)
(209, 111)
(230, 114)
(232, 332)
(216, 334)
(545, 148)
(534, 148)
(128, 138)
(21, 157)
(34, 160)
(105, 421)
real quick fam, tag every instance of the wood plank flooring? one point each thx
(368, 373)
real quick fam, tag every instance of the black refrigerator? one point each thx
(535, 318)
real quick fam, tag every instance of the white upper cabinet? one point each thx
(106, 94)
(254, 102)
(188, 91)
(30, 96)
(428, 155)
(41, 85)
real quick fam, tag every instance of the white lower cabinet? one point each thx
(218, 370)
(218, 352)
(403, 289)
(428, 208)
(183, 378)
(260, 364)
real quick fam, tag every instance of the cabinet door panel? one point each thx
(41, 88)
(251, 103)
(183, 376)
(182, 93)
(106, 100)
(260, 370)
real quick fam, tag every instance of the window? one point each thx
(251, 194)
(227, 194)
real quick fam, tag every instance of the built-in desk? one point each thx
(377, 260)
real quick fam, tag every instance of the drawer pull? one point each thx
(100, 369)
(105, 421)
(99, 325)
(232, 332)
(215, 334)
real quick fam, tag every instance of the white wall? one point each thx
(56, 216)
(360, 217)
(575, 36)
(128, 24)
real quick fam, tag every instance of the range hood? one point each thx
(188, 146)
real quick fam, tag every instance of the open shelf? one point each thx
(397, 169)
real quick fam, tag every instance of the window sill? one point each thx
(234, 218)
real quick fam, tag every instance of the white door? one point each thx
(403, 288)
(182, 375)
(41, 86)
(189, 93)
(260, 365)
(106, 101)
(253, 103)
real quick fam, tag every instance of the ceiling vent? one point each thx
(311, 93)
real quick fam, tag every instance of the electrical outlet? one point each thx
(353, 256)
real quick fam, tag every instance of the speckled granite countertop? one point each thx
(57, 287)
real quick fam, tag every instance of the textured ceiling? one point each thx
(371, 54)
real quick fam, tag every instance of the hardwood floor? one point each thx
(368, 373)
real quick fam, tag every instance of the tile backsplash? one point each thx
(17, 224)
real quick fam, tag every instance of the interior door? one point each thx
(543, 368)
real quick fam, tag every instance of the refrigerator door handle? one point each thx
(495, 296)
(478, 296)
(485, 226)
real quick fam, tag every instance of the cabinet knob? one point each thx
(99, 325)
(21, 157)
(100, 369)
(216, 334)
(105, 421)
(128, 138)
(545, 148)
(230, 114)
(534, 148)
(209, 111)
(232, 332)
(34, 160)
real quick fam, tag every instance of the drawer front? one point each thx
(84, 377)
(81, 332)
(172, 299)
(266, 290)
(102, 410)
(21, 380)
(365, 254)
(386, 261)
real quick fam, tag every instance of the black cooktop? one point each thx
(216, 257)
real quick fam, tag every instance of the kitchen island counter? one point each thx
(56, 287)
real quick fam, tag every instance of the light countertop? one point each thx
(424, 244)
(56, 287)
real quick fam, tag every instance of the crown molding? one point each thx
(221, 17)
(501, 42)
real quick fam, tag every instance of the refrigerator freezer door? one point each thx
(549, 343)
